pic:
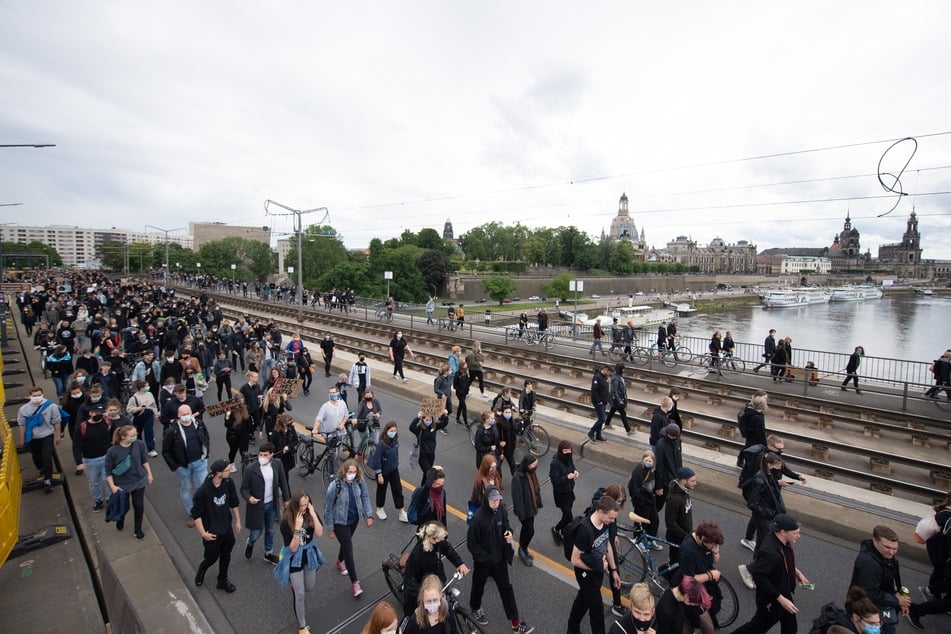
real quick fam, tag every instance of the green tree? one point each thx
(322, 250)
(38, 254)
(558, 287)
(112, 255)
(434, 265)
(498, 287)
(252, 259)
(621, 260)
(346, 275)
(430, 239)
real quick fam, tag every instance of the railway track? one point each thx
(890, 452)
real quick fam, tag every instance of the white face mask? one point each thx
(264, 461)
(186, 419)
(37, 400)
(351, 477)
(432, 607)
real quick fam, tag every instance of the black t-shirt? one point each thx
(193, 443)
(669, 614)
(695, 559)
(287, 532)
(213, 505)
(589, 539)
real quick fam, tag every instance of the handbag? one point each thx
(124, 465)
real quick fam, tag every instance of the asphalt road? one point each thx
(544, 592)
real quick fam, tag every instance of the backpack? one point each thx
(82, 428)
(570, 532)
(412, 513)
(63, 417)
(35, 420)
(741, 421)
(830, 615)
(594, 500)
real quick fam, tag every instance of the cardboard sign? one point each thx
(432, 406)
(235, 405)
(288, 387)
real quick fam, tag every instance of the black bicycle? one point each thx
(309, 461)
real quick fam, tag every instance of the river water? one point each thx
(911, 327)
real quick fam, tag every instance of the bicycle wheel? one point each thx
(668, 357)
(729, 605)
(682, 354)
(632, 564)
(368, 450)
(642, 355)
(328, 468)
(534, 440)
(305, 459)
(704, 360)
(394, 578)
(473, 430)
(531, 338)
(464, 622)
(733, 364)
(549, 340)
(943, 404)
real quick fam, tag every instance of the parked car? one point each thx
(449, 303)
(516, 299)
(534, 298)
(480, 301)
(595, 297)
(639, 293)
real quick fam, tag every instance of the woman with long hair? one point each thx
(300, 527)
(386, 462)
(426, 559)
(527, 500)
(383, 620)
(342, 515)
(640, 487)
(486, 476)
(127, 469)
(431, 615)
(486, 438)
(285, 441)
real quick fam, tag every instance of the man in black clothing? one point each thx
(776, 575)
(877, 571)
(590, 557)
(253, 395)
(668, 459)
(600, 395)
(769, 349)
(941, 368)
(327, 351)
(489, 539)
(214, 508)
(660, 418)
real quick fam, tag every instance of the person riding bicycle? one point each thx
(389, 307)
(451, 316)
(522, 323)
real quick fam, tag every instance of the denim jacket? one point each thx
(338, 501)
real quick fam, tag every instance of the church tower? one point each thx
(447, 230)
(622, 226)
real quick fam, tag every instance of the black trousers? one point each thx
(396, 487)
(41, 449)
(565, 517)
(344, 534)
(498, 572)
(461, 410)
(622, 412)
(527, 533)
(767, 615)
(218, 550)
(588, 600)
(476, 375)
(224, 382)
(137, 502)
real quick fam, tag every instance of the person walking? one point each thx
(752, 425)
(127, 470)
(347, 501)
(185, 450)
(600, 395)
(430, 308)
(264, 488)
(359, 377)
(937, 593)
(852, 369)
(386, 462)
(285, 441)
(144, 411)
(489, 540)
(698, 556)
(486, 438)
(426, 559)
(779, 362)
(431, 613)
(618, 398)
(475, 360)
(640, 488)
(300, 528)
(94, 437)
(217, 519)
(765, 501)
(327, 352)
(442, 387)
(591, 556)
(941, 369)
(660, 419)
(562, 474)
(41, 428)
(424, 427)
(596, 334)
(669, 454)
(769, 347)
(222, 370)
(399, 348)
(527, 500)
(460, 384)
(776, 575)
(678, 512)
(877, 571)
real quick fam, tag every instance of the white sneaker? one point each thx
(380, 513)
(749, 544)
(403, 516)
(746, 577)
(153, 454)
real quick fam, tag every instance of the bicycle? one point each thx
(447, 323)
(636, 564)
(725, 363)
(365, 449)
(532, 438)
(393, 569)
(326, 462)
(671, 356)
(544, 337)
(384, 314)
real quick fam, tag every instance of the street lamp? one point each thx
(297, 213)
(166, 232)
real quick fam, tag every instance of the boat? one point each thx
(682, 310)
(855, 293)
(791, 297)
(642, 316)
(923, 291)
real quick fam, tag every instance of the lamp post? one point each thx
(166, 232)
(297, 213)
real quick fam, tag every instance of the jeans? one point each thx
(60, 383)
(96, 475)
(595, 431)
(270, 516)
(189, 479)
(145, 424)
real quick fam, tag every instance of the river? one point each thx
(901, 326)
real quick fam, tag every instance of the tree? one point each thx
(430, 239)
(251, 258)
(112, 255)
(323, 249)
(34, 255)
(434, 265)
(621, 260)
(498, 287)
(558, 287)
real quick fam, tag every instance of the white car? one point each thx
(595, 297)
(639, 293)
(534, 298)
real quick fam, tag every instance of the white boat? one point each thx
(790, 297)
(923, 291)
(855, 293)
(642, 316)
(682, 310)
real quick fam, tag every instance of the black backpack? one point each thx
(741, 420)
(830, 615)
(570, 531)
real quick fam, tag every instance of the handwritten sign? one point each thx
(432, 406)
(235, 405)
(288, 387)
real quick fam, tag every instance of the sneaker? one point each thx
(641, 546)
(342, 568)
(619, 611)
(405, 380)
(271, 558)
(523, 628)
(248, 550)
(926, 593)
(746, 577)
(591, 438)
(380, 513)
(403, 517)
(444, 432)
(479, 617)
(227, 586)
(524, 558)
(556, 535)
(99, 506)
(153, 454)
(357, 590)
(48, 486)
(748, 544)
(915, 620)
(655, 545)
(139, 535)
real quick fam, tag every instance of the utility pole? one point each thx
(299, 226)
(166, 232)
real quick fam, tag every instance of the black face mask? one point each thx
(642, 626)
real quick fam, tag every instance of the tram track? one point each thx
(901, 453)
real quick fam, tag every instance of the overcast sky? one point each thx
(399, 115)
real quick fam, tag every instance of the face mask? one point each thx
(368, 399)
(351, 477)
(186, 419)
(393, 631)
(432, 608)
(76, 395)
(95, 399)
(873, 629)
(507, 416)
(391, 435)
(131, 439)
(264, 461)
(641, 626)
(437, 488)
(648, 464)
(427, 423)
(399, 336)
(564, 457)
(170, 359)
(776, 472)
(334, 397)
(491, 422)
(113, 414)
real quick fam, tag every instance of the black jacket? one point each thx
(600, 389)
(774, 571)
(659, 420)
(485, 536)
(169, 412)
(678, 513)
(765, 499)
(641, 497)
(421, 563)
(522, 495)
(173, 447)
(426, 436)
(669, 458)
(252, 485)
(879, 577)
(854, 360)
(562, 487)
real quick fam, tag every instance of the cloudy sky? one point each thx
(399, 115)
